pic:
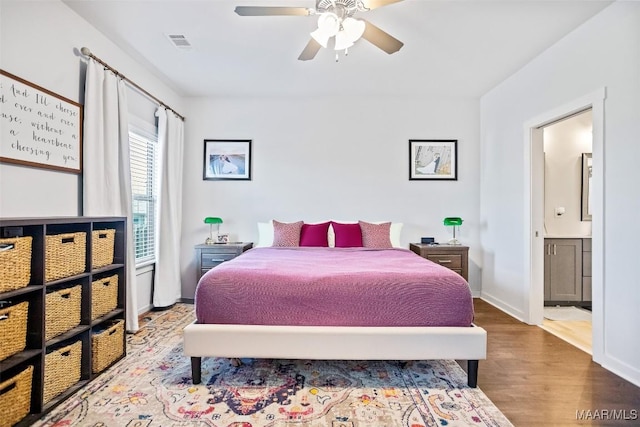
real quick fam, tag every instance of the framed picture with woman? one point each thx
(433, 159)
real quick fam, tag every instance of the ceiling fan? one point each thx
(335, 21)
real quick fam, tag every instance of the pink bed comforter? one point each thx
(333, 287)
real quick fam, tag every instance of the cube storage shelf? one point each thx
(46, 357)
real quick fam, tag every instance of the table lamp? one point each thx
(212, 220)
(453, 221)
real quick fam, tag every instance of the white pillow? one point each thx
(396, 228)
(265, 234)
(394, 232)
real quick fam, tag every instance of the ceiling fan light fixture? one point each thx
(354, 28)
(328, 26)
(321, 37)
(343, 41)
(329, 23)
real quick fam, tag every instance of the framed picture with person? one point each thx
(433, 159)
(227, 159)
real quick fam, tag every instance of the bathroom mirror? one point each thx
(586, 186)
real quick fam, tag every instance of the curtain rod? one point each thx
(87, 52)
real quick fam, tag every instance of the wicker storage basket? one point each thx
(61, 370)
(65, 255)
(104, 296)
(102, 246)
(62, 311)
(15, 397)
(15, 263)
(107, 346)
(13, 329)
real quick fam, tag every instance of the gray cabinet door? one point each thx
(563, 270)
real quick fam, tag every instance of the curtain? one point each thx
(107, 174)
(167, 283)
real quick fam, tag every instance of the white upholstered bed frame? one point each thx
(335, 343)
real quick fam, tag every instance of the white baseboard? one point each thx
(621, 369)
(142, 310)
(503, 306)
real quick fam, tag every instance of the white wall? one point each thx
(39, 41)
(601, 53)
(341, 158)
(564, 143)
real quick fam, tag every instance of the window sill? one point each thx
(145, 267)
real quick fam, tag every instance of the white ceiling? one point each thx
(453, 47)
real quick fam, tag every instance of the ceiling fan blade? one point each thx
(381, 39)
(310, 50)
(273, 11)
(374, 4)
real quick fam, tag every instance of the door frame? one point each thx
(534, 212)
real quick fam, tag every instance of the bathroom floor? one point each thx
(572, 324)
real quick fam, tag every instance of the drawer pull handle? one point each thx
(217, 260)
(444, 261)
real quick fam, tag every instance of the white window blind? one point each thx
(143, 151)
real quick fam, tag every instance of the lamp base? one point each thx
(209, 241)
(454, 242)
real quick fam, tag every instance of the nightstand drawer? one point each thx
(447, 260)
(210, 260)
(208, 256)
(454, 257)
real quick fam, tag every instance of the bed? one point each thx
(334, 303)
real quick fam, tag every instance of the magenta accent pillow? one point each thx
(315, 234)
(347, 235)
(376, 235)
(286, 234)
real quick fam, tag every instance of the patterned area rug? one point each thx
(152, 387)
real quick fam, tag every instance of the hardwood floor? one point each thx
(576, 332)
(537, 379)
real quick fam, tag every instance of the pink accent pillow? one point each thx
(347, 235)
(376, 235)
(286, 234)
(315, 234)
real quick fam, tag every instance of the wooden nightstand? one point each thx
(454, 257)
(208, 256)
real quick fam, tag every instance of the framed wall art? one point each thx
(227, 159)
(433, 159)
(39, 128)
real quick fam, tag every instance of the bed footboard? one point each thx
(335, 343)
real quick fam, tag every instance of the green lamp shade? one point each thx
(213, 220)
(452, 220)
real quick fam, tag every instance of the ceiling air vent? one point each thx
(180, 41)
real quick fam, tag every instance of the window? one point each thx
(143, 151)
